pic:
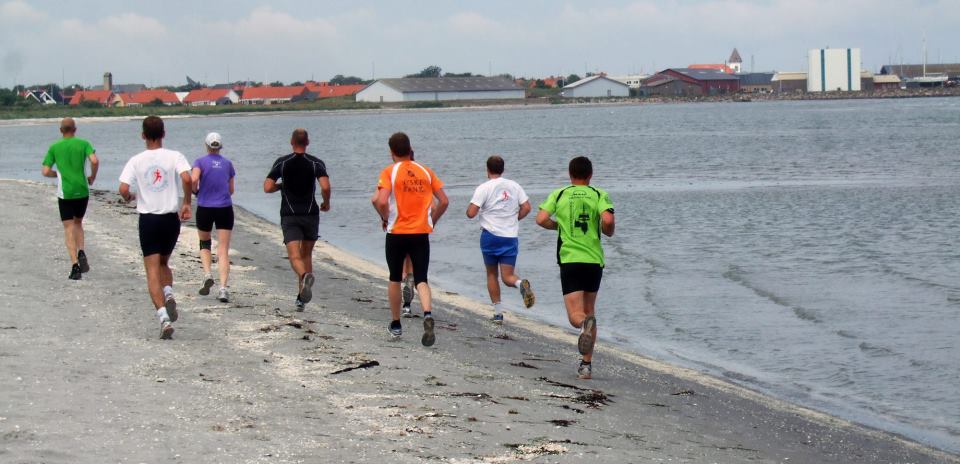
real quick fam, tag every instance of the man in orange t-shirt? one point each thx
(404, 199)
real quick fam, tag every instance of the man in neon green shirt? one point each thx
(70, 155)
(580, 213)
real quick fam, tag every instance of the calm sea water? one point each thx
(806, 249)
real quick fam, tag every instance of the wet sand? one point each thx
(83, 377)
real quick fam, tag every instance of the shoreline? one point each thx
(658, 411)
(480, 105)
(567, 335)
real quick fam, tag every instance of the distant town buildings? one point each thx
(596, 86)
(690, 82)
(761, 82)
(102, 97)
(632, 80)
(441, 89)
(829, 70)
(267, 95)
(211, 97)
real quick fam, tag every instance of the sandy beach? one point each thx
(85, 379)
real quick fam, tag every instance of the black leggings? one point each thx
(398, 246)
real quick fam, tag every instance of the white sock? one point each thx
(162, 314)
(496, 309)
(167, 290)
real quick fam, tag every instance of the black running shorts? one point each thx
(398, 246)
(580, 277)
(72, 209)
(207, 218)
(298, 228)
(159, 233)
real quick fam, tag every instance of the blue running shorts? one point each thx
(499, 250)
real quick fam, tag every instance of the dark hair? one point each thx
(581, 168)
(153, 128)
(300, 138)
(495, 164)
(400, 144)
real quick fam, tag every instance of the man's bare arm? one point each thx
(543, 220)
(324, 193)
(94, 167)
(441, 208)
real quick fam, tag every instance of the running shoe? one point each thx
(207, 284)
(171, 305)
(407, 291)
(395, 328)
(82, 261)
(299, 304)
(527, 293)
(223, 297)
(429, 338)
(306, 290)
(406, 312)
(586, 340)
(75, 272)
(585, 371)
(166, 330)
(497, 319)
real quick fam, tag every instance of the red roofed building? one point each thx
(209, 97)
(326, 90)
(146, 97)
(102, 97)
(271, 95)
(549, 82)
(718, 67)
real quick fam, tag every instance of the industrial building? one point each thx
(412, 89)
(596, 86)
(632, 80)
(789, 82)
(886, 83)
(911, 71)
(761, 82)
(687, 82)
(834, 69)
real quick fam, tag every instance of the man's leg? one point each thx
(507, 275)
(493, 287)
(166, 274)
(78, 233)
(152, 265)
(294, 251)
(580, 306)
(395, 254)
(393, 295)
(70, 239)
(306, 255)
(419, 251)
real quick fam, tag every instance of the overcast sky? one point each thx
(159, 42)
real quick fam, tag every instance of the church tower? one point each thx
(735, 62)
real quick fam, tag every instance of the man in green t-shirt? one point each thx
(70, 155)
(580, 213)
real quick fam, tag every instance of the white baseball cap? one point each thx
(213, 140)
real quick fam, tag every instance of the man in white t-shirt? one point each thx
(500, 203)
(153, 174)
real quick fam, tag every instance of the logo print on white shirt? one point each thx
(157, 179)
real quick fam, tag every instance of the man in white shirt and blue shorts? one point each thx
(500, 204)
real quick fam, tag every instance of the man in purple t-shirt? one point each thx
(213, 183)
